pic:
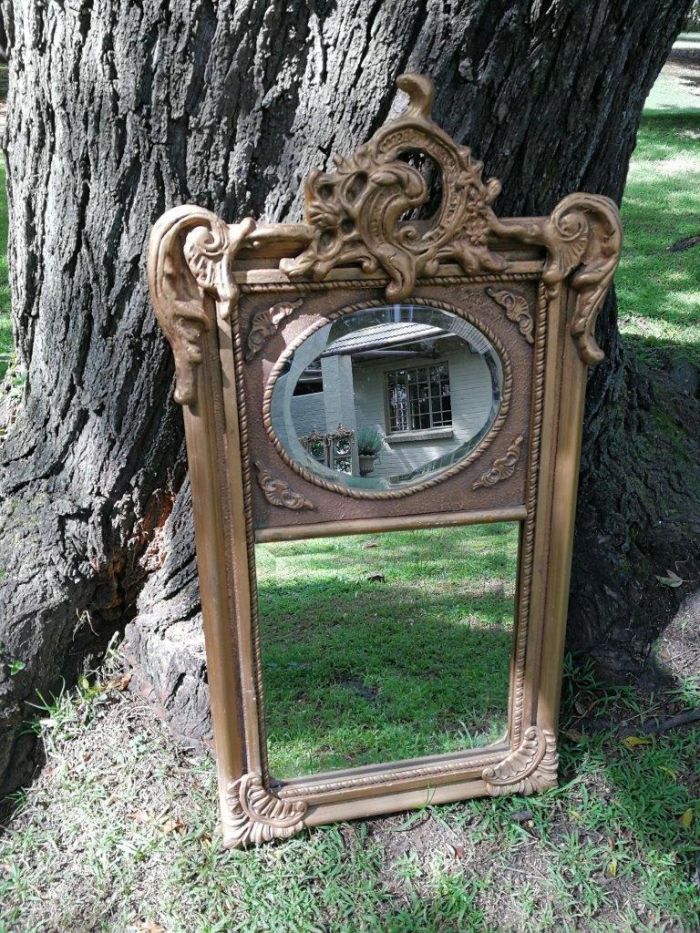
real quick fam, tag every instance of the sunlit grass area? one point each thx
(658, 289)
(382, 647)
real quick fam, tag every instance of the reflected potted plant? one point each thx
(369, 443)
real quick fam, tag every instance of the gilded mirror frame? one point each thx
(233, 298)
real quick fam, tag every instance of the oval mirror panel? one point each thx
(387, 397)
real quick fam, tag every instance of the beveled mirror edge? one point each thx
(431, 479)
(194, 291)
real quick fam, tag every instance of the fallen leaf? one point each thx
(173, 826)
(671, 773)
(376, 578)
(611, 870)
(671, 579)
(574, 735)
(118, 683)
(686, 819)
(139, 817)
(632, 741)
(370, 544)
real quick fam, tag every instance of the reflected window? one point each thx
(419, 398)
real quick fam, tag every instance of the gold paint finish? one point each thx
(234, 300)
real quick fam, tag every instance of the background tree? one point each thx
(119, 110)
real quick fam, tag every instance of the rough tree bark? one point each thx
(121, 109)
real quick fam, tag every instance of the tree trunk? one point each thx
(119, 110)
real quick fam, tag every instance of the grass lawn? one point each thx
(118, 831)
(117, 834)
(659, 291)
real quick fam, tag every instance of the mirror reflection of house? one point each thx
(419, 384)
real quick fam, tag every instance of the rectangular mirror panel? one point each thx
(382, 647)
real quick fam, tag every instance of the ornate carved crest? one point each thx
(355, 212)
(531, 767)
(354, 216)
(256, 815)
(503, 467)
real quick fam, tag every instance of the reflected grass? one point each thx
(416, 661)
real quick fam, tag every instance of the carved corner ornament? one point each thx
(503, 467)
(255, 815)
(516, 308)
(531, 767)
(266, 323)
(583, 239)
(278, 493)
(191, 253)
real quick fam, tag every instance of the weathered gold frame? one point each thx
(211, 286)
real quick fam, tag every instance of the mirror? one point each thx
(383, 647)
(386, 397)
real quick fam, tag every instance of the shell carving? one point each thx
(255, 815)
(531, 767)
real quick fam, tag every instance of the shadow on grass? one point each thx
(644, 793)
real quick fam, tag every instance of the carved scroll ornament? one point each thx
(583, 238)
(256, 815)
(354, 217)
(531, 767)
(266, 323)
(190, 254)
(278, 493)
(516, 308)
(503, 467)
